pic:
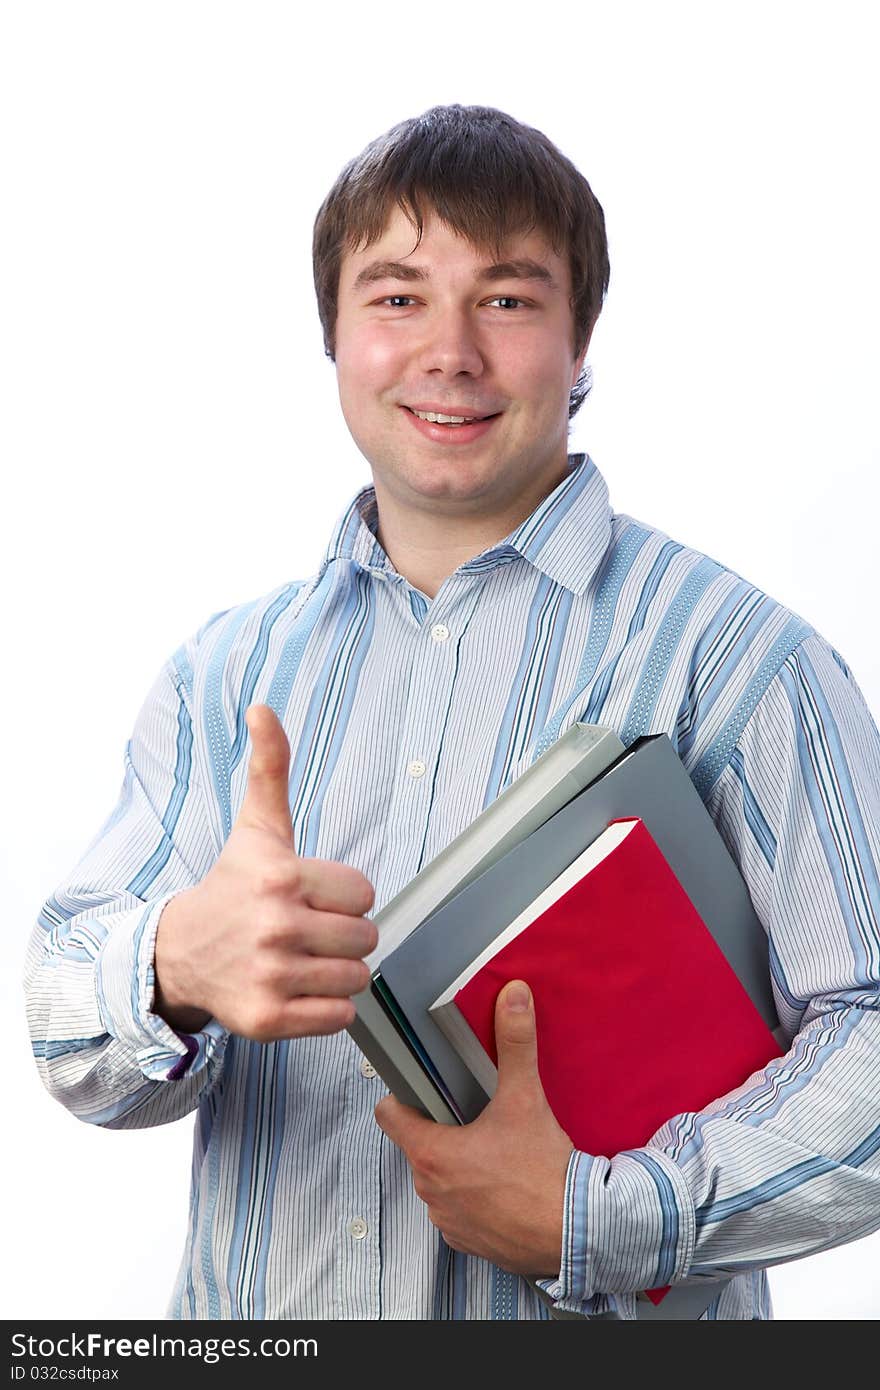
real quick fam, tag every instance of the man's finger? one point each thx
(266, 804)
(400, 1123)
(515, 1036)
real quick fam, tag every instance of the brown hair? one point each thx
(488, 177)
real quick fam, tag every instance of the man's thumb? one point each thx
(266, 804)
(515, 1037)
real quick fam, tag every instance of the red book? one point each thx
(639, 1015)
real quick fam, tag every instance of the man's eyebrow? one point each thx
(518, 270)
(388, 270)
(524, 269)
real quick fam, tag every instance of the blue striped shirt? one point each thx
(406, 717)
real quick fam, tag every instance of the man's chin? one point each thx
(427, 483)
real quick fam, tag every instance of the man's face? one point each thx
(443, 329)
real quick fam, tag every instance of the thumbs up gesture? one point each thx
(268, 943)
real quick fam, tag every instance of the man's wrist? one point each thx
(169, 1001)
(183, 1019)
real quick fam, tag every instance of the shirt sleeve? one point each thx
(789, 1163)
(89, 974)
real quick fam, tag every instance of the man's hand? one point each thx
(269, 944)
(495, 1187)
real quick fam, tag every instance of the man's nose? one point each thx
(450, 344)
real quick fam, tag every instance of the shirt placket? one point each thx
(435, 662)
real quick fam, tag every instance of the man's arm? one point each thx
(788, 1164)
(160, 945)
(99, 1046)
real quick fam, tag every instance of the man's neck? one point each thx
(427, 563)
(426, 547)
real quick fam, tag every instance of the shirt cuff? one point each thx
(125, 982)
(628, 1225)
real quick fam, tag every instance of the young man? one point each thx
(480, 597)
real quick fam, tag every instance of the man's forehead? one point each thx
(399, 253)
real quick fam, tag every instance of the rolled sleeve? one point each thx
(628, 1225)
(90, 967)
(125, 983)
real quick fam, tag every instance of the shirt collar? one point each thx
(565, 537)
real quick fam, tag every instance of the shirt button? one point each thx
(417, 768)
(367, 1068)
(439, 632)
(358, 1227)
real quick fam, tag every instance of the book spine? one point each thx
(402, 1073)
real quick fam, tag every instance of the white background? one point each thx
(173, 444)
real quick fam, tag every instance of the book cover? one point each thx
(639, 1016)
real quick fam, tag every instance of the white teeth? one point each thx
(444, 419)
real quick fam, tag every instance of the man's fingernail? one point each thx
(518, 996)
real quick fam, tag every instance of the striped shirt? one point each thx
(406, 717)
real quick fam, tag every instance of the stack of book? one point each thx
(600, 878)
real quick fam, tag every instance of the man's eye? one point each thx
(397, 301)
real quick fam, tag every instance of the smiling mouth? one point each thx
(451, 421)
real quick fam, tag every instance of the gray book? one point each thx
(649, 781)
(569, 765)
